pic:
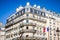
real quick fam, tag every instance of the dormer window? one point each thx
(35, 11)
(42, 13)
(19, 13)
(27, 9)
(38, 12)
(31, 10)
(16, 14)
(23, 10)
(9, 19)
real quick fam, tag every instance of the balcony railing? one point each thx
(37, 19)
(30, 23)
(27, 37)
(25, 17)
(28, 30)
(35, 38)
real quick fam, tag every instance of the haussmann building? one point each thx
(33, 23)
(2, 32)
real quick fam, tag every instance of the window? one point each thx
(44, 34)
(19, 13)
(26, 27)
(54, 32)
(9, 19)
(54, 23)
(31, 10)
(15, 28)
(8, 36)
(40, 28)
(21, 26)
(54, 38)
(42, 13)
(50, 38)
(50, 22)
(27, 15)
(50, 33)
(40, 31)
(16, 14)
(24, 10)
(15, 34)
(11, 35)
(33, 16)
(27, 9)
(26, 21)
(35, 11)
(26, 35)
(38, 12)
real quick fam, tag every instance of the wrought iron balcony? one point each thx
(27, 30)
(37, 19)
(17, 20)
(29, 24)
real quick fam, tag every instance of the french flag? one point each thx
(45, 29)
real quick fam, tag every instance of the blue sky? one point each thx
(8, 7)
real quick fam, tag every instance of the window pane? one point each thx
(31, 10)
